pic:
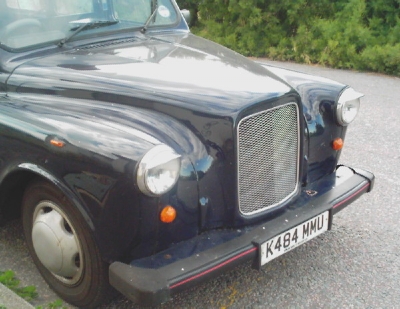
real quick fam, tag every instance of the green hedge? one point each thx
(355, 34)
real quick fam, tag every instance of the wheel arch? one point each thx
(14, 184)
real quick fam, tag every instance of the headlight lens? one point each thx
(158, 170)
(348, 106)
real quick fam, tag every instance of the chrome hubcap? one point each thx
(56, 244)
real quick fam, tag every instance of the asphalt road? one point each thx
(356, 265)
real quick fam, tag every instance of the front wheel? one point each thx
(62, 246)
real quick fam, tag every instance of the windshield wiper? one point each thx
(91, 24)
(151, 17)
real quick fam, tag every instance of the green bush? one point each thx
(356, 34)
(383, 59)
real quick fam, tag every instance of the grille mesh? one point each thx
(268, 145)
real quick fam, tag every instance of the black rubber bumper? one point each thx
(154, 285)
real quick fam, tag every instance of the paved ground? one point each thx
(356, 265)
(9, 299)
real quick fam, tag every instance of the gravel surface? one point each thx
(356, 265)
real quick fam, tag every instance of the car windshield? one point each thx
(28, 23)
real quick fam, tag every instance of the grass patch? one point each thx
(7, 278)
(57, 304)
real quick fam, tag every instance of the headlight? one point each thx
(348, 106)
(158, 170)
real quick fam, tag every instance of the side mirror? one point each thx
(186, 15)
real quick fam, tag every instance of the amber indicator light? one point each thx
(168, 214)
(57, 143)
(337, 144)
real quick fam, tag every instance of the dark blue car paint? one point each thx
(111, 99)
(146, 79)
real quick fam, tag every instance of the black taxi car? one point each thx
(144, 158)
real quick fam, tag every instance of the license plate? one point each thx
(294, 237)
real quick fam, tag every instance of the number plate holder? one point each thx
(293, 238)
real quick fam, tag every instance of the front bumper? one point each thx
(155, 279)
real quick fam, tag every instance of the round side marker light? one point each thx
(168, 214)
(337, 144)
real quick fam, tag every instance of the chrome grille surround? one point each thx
(268, 158)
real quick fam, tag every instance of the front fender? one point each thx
(319, 98)
(39, 171)
(96, 164)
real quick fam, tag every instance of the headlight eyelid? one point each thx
(349, 94)
(158, 159)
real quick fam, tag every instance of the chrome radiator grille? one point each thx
(268, 158)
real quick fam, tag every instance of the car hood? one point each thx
(177, 69)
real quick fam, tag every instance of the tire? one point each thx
(62, 246)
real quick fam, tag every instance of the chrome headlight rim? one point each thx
(157, 157)
(348, 99)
